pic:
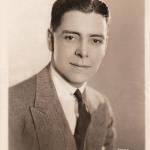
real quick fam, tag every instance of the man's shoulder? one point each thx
(26, 90)
(97, 98)
(96, 95)
(23, 94)
(25, 84)
(29, 83)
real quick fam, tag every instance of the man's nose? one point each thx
(82, 49)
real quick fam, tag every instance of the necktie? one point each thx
(82, 121)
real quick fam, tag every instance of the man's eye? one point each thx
(97, 41)
(69, 37)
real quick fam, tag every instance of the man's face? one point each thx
(79, 46)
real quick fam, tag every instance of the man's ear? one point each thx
(50, 40)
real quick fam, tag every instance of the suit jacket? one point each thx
(37, 120)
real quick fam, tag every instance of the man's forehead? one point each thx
(83, 22)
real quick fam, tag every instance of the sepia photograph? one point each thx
(74, 76)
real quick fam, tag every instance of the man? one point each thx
(55, 109)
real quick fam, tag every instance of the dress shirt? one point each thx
(65, 92)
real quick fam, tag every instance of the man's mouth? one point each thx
(80, 65)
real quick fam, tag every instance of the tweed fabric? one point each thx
(37, 120)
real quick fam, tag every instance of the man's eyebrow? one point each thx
(71, 32)
(98, 35)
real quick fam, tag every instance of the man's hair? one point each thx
(60, 7)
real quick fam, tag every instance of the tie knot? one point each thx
(78, 95)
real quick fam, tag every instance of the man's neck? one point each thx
(55, 74)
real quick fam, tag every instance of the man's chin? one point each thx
(77, 82)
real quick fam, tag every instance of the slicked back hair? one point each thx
(60, 7)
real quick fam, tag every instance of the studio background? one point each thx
(121, 75)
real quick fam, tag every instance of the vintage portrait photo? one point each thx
(76, 75)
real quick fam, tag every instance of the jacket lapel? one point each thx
(51, 126)
(97, 127)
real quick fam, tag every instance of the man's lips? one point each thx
(80, 65)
